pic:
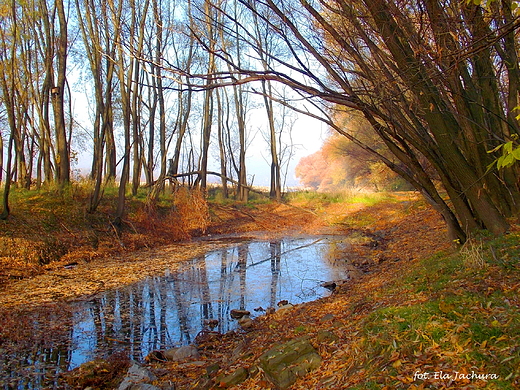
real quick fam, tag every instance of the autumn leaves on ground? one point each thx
(420, 314)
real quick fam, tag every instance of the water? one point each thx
(170, 310)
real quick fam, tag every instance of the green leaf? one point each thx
(517, 7)
(499, 162)
(508, 160)
(516, 153)
(508, 147)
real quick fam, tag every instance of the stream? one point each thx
(169, 310)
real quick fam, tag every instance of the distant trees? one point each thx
(342, 165)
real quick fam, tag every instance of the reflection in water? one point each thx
(170, 310)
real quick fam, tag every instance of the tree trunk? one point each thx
(58, 93)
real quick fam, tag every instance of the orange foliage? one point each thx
(340, 164)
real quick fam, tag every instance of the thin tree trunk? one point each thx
(62, 147)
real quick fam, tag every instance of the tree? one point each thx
(9, 88)
(428, 79)
(58, 95)
(311, 170)
(341, 164)
(99, 50)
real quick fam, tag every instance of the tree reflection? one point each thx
(275, 248)
(166, 311)
(243, 251)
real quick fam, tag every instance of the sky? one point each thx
(307, 134)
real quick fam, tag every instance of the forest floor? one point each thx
(419, 308)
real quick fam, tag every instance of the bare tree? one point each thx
(99, 47)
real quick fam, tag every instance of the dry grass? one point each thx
(472, 254)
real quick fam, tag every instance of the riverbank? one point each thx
(407, 320)
(424, 315)
(79, 266)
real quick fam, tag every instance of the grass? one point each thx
(49, 224)
(319, 201)
(323, 198)
(457, 318)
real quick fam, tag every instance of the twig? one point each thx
(284, 253)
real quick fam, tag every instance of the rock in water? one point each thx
(211, 323)
(237, 313)
(245, 322)
(329, 285)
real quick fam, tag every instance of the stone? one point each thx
(192, 364)
(329, 285)
(270, 310)
(207, 337)
(155, 356)
(211, 323)
(233, 379)
(245, 322)
(212, 369)
(136, 375)
(285, 363)
(327, 317)
(282, 310)
(324, 336)
(143, 386)
(237, 313)
(186, 352)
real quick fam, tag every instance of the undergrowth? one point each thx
(51, 224)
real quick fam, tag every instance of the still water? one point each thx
(169, 310)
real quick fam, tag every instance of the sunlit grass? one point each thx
(345, 196)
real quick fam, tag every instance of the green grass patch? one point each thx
(371, 199)
(325, 198)
(459, 319)
(317, 199)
